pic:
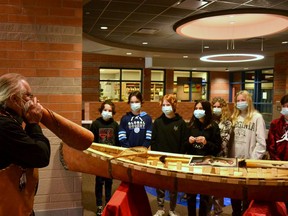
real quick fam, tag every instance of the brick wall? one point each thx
(219, 85)
(280, 81)
(91, 76)
(43, 41)
(280, 76)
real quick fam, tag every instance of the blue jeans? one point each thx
(99, 182)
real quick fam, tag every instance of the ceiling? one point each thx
(132, 22)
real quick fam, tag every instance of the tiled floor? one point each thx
(90, 206)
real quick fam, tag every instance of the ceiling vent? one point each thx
(147, 31)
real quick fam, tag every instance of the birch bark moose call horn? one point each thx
(69, 132)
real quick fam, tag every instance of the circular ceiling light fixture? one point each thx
(233, 24)
(231, 57)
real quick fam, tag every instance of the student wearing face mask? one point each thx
(249, 137)
(169, 131)
(135, 127)
(23, 147)
(222, 116)
(105, 131)
(277, 142)
(203, 139)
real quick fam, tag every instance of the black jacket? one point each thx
(168, 135)
(213, 138)
(26, 147)
(105, 132)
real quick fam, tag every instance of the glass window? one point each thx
(109, 90)
(116, 84)
(131, 74)
(109, 74)
(260, 84)
(157, 75)
(250, 76)
(128, 87)
(201, 85)
(180, 74)
(267, 76)
(190, 85)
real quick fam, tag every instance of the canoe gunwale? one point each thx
(128, 162)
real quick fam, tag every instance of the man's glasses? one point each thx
(28, 94)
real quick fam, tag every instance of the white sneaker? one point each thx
(160, 212)
(172, 213)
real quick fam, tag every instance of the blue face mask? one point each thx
(106, 115)
(167, 110)
(284, 111)
(199, 113)
(217, 111)
(242, 105)
(135, 106)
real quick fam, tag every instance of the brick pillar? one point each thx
(147, 84)
(219, 85)
(90, 82)
(280, 80)
(280, 75)
(42, 40)
(169, 81)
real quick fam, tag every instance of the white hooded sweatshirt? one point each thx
(249, 140)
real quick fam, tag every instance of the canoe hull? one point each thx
(237, 188)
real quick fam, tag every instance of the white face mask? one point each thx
(135, 106)
(284, 111)
(106, 115)
(199, 113)
(167, 110)
(242, 105)
(217, 111)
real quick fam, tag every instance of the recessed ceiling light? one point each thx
(128, 53)
(284, 42)
(246, 23)
(231, 57)
(185, 56)
(103, 27)
(144, 43)
(206, 47)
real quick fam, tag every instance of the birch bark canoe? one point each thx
(264, 180)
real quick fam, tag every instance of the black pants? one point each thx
(239, 206)
(100, 181)
(204, 208)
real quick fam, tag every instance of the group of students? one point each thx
(212, 130)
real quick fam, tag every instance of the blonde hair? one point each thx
(171, 98)
(250, 109)
(226, 114)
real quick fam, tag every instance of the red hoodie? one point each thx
(278, 150)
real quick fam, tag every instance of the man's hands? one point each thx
(33, 111)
